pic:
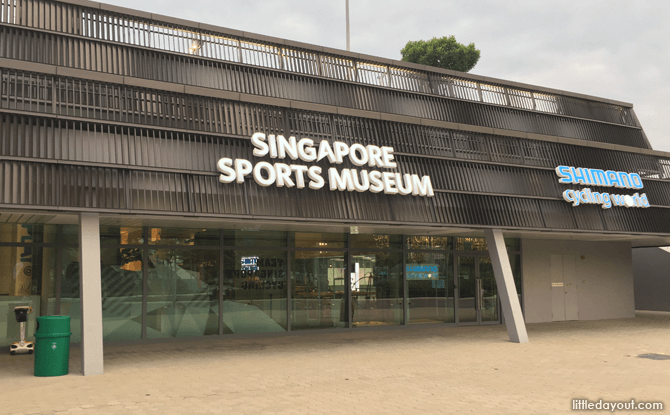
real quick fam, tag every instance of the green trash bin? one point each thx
(52, 345)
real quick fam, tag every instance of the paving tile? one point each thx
(422, 370)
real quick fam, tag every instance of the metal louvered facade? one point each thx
(105, 109)
(128, 123)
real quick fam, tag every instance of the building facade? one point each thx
(162, 178)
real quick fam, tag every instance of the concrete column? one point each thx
(91, 294)
(509, 300)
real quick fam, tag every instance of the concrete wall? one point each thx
(604, 278)
(651, 274)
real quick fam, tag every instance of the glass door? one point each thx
(466, 273)
(476, 288)
(376, 289)
(488, 294)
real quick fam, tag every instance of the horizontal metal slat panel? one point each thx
(29, 184)
(56, 185)
(158, 191)
(557, 215)
(637, 220)
(111, 27)
(210, 197)
(162, 109)
(76, 53)
(588, 217)
(36, 137)
(90, 187)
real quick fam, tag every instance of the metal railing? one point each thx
(103, 25)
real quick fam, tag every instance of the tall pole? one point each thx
(348, 36)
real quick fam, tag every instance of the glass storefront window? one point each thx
(182, 297)
(27, 277)
(430, 287)
(121, 281)
(70, 297)
(183, 236)
(377, 288)
(69, 234)
(28, 233)
(429, 242)
(488, 290)
(470, 244)
(368, 241)
(515, 262)
(182, 293)
(254, 238)
(254, 291)
(513, 244)
(318, 240)
(318, 290)
(120, 235)
(8, 233)
(479, 244)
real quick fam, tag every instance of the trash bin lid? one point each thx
(52, 325)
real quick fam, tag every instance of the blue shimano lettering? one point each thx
(597, 177)
(613, 178)
(636, 180)
(421, 271)
(565, 174)
(580, 175)
(624, 180)
(421, 268)
(601, 178)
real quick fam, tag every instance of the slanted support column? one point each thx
(509, 300)
(91, 294)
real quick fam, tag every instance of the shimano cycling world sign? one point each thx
(300, 175)
(602, 178)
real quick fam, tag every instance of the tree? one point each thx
(444, 52)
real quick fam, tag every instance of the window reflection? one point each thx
(182, 236)
(488, 290)
(121, 280)
(513, 244)
(28, 233)
(28, 273)
(515, 263)
(184, 267)
(183, 293)
(254, 291)
(27, 278)
(254, 238)
(480, 244)
(318, 240)
(70, 304)
(430, 287)
(470, 244)
(429, 242)
(120, 235)
(369, 241)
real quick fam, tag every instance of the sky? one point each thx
(612, 49)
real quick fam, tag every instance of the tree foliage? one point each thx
(444, 52)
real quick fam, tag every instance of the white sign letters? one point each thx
(299, 175)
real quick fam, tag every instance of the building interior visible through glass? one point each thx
(179, 282)
(318, 284)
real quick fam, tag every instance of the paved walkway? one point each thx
(423, 370)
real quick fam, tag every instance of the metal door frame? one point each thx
(457, 292)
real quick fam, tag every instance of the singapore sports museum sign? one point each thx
(364, 178)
